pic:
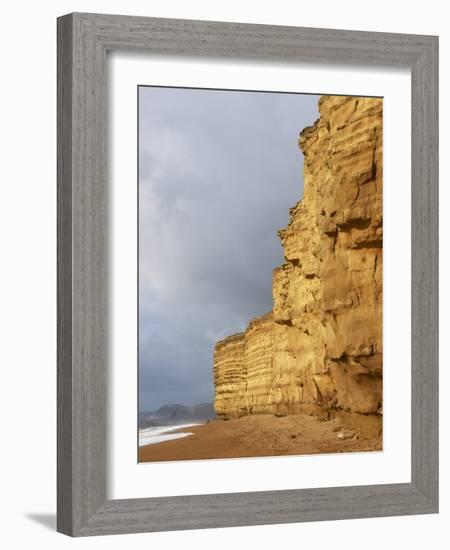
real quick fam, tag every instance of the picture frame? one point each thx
(83, 40)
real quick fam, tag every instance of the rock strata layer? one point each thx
(320, 349)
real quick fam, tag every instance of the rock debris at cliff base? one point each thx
(320, 350)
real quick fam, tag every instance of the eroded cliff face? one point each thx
(320, 350)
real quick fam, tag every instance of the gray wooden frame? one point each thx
(83, 40)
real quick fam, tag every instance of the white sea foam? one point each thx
(157, 434)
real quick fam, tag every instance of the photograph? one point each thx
(260, 277)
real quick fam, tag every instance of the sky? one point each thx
(218, 172)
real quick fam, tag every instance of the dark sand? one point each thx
(259, 435)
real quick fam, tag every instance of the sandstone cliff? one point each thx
(320, 350)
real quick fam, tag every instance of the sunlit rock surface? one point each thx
(320, 350)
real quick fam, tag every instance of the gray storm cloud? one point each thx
(218, 171)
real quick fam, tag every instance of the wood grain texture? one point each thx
(64, 297)
(83, 40)
(424, 276)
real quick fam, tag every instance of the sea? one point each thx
(160, 425)
(158, 434)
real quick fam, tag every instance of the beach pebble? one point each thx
(346, 434)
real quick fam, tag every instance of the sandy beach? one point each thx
(262, 435)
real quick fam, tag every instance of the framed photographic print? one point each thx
(247, 274)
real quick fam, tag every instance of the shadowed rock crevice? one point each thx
(320, 350)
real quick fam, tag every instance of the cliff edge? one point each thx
(320, 350)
